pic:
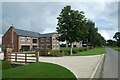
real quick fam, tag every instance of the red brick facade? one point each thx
(11, 40)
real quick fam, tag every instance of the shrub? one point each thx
(44, 52)
(56, 53)
(66, 51)
(75, 50)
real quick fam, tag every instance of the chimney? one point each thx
(12, 42)
(11, 26)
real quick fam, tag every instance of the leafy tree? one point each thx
(111, 43)
(117, 37)
(71, 25)
(92, 36)
(90, 32)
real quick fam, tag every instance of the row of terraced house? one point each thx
(18, 39)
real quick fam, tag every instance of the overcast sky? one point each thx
(41, 16)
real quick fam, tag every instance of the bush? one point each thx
(56, 53)
(75, 50)
(44, 52)
(66, 51)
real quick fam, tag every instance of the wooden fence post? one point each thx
(5, 54)
(37, 56)
(25, 57)
(15, 57)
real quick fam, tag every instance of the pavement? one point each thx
(81, 66)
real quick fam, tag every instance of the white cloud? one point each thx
(41, 17)
(60, 0)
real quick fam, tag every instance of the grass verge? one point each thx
(6, 65)
(116, 48)
(96, 51)
(38, 70)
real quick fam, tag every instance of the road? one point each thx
(109, 65)
(110, 69)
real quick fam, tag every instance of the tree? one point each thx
(111, 43)
(117, 37)
(92, 37)
(90, 32)
(71, 25)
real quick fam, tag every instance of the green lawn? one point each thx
(116, 48)
(38, 70)
(96, 51)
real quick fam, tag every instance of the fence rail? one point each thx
(22, 57)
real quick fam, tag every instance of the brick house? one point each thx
(21, 39)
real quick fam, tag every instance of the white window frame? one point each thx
(47, 39)
(28, 39)
(22, 39)
(47, 46)
(54, 39)
(42, 46)
(42, 39)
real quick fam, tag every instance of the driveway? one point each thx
(81, 66)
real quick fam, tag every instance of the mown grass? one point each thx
(116, 48)
(38, 70)
(96, 51)
(6, 65)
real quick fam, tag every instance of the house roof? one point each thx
(32, 34)
(47, 35)
(26, 33)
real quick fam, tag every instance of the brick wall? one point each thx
(7, 39)
(16, 40)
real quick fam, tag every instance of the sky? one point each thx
(42, 16)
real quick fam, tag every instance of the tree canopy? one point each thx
(73, 26)
(117, 37)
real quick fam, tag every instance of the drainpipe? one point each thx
(12, 37)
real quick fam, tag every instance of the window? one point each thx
(25, 47)
(42, 39)
(53, 46)
(34, 40)
(25, 39)
(28, 39)
(54, 39)
(22, 39)
(47, 39)
(48, 46)
(34, 47)
(42, 46)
